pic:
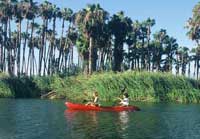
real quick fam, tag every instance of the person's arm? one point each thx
(120, 99)
(95, 99)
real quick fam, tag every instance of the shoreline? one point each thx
(141, 86)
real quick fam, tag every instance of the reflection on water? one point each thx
(92, 124)
(81, 124)
(123, 119)
(71, 115)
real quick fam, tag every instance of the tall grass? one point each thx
(141, 86)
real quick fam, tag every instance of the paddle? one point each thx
(116, 101)
(85, 100)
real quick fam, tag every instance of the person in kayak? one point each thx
(125, 100)
(95, 100)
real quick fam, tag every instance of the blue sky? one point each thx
(169, 14)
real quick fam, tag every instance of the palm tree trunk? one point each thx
(35, 61)
(19, 48)
(61, 47)
(177, 64)
(195, 63)
(62, 61)
(33, 68)
(50, 50)
(8, 49)
(1, 59)
(65, 61)
(78, 60)
(49, 55)
(52, 45)
(4, 57)
(189, 69)
(138, 63)
(41, 47)
(72, 56)
(198, 65)
(45, 47)
(12, 53)
(90, 55)
(101, 62)
(2, 53)
(31, 60)
(148, 49)
(95, 58)
(24, 49)
(29, 55)
(118, 55)
(143, 60)
(30, 47)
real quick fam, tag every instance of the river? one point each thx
(49, 119)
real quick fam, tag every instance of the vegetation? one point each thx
(24, 87)
(33, 56)
(142, 86)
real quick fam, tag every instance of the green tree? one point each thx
(170, 49)
(149, 24)
(67, 15)
(159, 38)
(89, 21)
(120, 26)
(45, 12)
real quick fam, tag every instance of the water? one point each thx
(45, 119)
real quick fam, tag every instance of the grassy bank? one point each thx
(142, 86)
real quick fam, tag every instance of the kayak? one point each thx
(76, 106)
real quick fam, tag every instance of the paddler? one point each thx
(124, 101)
(95, 100)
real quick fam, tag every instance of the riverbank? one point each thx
(142, 86)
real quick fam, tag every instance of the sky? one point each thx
(171, 15)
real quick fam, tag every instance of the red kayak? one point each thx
(73, 106)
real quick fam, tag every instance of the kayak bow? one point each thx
(83, 107)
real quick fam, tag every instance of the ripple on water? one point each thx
(44, 119)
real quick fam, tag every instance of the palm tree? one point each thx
(185, 59)
(56, 13)
(131, 41)
(67, 14)
(149, 23)
(82, 46)
(89, 21)
(45, 11)
(6, 12)
(72, 37)
(25, 36)
(135, 50)
(178, 61)
(33, 42)
(159, 38)
(30, 13)
(119, 26)
(19, 12)
(193, 25)
(196, 58)
(170, 49)
(144, 47)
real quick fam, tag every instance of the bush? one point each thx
(141, 86)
